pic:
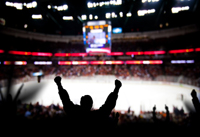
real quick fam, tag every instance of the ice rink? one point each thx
(135, 94)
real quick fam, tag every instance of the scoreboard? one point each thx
(97, 36)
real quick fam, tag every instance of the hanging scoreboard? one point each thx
(97, 36)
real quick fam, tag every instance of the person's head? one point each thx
(86, 102)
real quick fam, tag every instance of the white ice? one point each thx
(137, 95)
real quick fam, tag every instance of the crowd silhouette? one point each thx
(84, 120)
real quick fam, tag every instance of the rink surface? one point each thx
(135, 94)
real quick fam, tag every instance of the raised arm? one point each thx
(154, 113)
(167, 114)
(64, 96)
(110, 102)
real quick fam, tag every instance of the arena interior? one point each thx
(151, 46)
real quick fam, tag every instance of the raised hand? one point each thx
(167, 112)
(154, 108)
(166, 107)
(154, 113)
(57, 80)
(118, 83)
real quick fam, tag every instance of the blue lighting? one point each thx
(117, 30)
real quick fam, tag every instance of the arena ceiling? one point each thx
(131, 15)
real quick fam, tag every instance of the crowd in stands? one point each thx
(178, 42)
(168, 73)
(138, 71)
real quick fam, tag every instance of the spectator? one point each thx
(82, 117)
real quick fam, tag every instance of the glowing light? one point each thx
(17, 5)
(178, 9)
(113, 15)
(25, 26)
(1, 51)
(129, 14)
(65, 7)
(49, 6)
(107, 15)
(59, 8)
(135, 53)
(15, 62)
(69, 54)
(19, 52)
(181, 51)
(90, 5)
(96, 17)
(41, 54)
(90, 17)
(42, 62)
(143, 12)
(182, 61)
(83, 17)
(106, 3)
(83, 29)
(67, 18)
(20, 62)
(143, 1)
(36, 16)
(31, 4)
(144, 62)
(197, 49)
(121, 14)
(115, 54)
(109, 28)
(73, 62)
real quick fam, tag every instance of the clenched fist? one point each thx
(118, 83)
(57, 79)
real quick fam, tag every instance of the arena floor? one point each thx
(137, 95)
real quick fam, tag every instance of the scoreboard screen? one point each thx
(97, 36)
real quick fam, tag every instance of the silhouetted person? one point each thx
(81, 116)
(154, 114)
(167, 114)
(195, 117)
(8, 109)
(195, 101)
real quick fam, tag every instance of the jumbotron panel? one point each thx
(97, 36)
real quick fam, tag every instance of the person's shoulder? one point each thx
(75, 107)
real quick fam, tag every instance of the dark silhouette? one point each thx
(195, 117)
(167, 120)
(167, 114)
(8, 105)
(195, 101)
(154, 113)
(82, 117)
